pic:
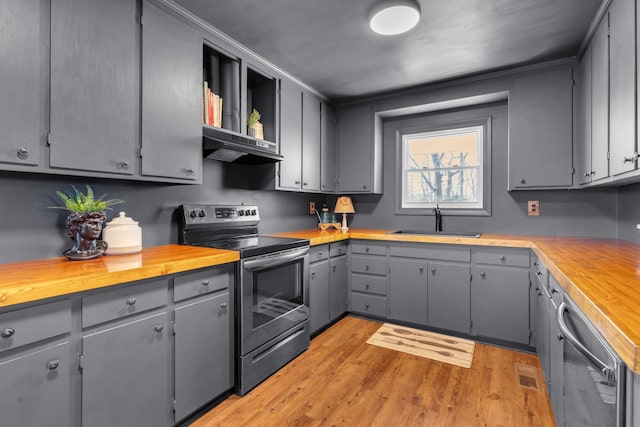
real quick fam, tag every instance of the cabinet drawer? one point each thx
(318, 253)
(202, 282)
(368, 247)
(123, 301)
(369, 304)
(370, 284)
(501, 256)
(435, 252)
(29, 325)
(337, 249)
(369, 264)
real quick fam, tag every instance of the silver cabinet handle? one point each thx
(260, 263)
(433, 270)
(131, 300)
(366, 267)
(304, 184)
(313, 274)
(205, 283)
(587, 174)
(482, 274)
(421, 268)
(53, 365)
(158, 328)
(223, 305)
(7, 332)
(124, 164)
(367, 285)
(522, 180)
(366, 249)
(366, 306)
(502, 258)
(630, 159)
(22, 151)
(296, 182)
(334, 268)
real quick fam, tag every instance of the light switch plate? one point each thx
(533, 208)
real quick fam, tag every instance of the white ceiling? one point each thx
(328, 44)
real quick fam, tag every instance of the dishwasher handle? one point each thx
(273, 260)
(608, 372)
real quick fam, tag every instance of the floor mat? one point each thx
(443, 348)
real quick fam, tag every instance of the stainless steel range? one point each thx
(272, 314)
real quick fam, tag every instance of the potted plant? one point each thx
(254, 126)
(86, 213)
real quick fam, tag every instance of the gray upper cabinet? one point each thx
(94, 90)
(310, 142)
(622, 86)
(328, 149)
(23, 55)
(171, 97)
(599, 49)
(357, 154)
(290, 169)
(540, 140)
(582, 119)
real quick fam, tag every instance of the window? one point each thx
(445, 166)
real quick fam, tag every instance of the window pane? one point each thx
(435, 151)
(439, 186)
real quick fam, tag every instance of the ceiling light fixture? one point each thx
(393, 17)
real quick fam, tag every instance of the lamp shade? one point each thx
(344, 205)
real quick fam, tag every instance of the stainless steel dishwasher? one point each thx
(594, 375)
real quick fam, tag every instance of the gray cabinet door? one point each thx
(21, 82)
(338, 287)
(556, 367)
(449, 297)
(318, 295)
(328, 148)
(203, 353)
(582, 118)
(600, 101)
(355, 161)
(500, 303)
(407, 291)
(622, 86)
(125, 375)
(35, 388)
(310, 142)
(290, 169)
(94, 85)
(540, 141)
(171, 97)
(542, 331)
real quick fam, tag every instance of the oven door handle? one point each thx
(271, 261)
(607, 371)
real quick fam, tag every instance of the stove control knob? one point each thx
(253, 212)
(193, 214)
(202, 213)
(240, 212)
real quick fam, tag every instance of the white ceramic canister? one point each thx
(123, 236)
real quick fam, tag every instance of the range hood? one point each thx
(224, 145)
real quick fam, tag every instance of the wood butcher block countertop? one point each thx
(601, 275)
(28, 281)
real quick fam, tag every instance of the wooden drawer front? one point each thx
(369, 248)
(122, 302)
(369, 264)
(435, 252)
(318, 253)
(337, 249)
(369, 304)
(500, 256)
(202, 282)
(370, 284)
(29, 325)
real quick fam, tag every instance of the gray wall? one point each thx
(563, 212)
(30, 230)
(629, 213)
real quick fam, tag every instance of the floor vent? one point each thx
(527, 376)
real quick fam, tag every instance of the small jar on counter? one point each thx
(123, 236)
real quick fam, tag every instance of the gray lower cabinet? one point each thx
(171, 97)
(328, 284)
(368, 278)
(35, 388)
(94, 90)
(542, 329)
(319, 294)
(500, 303)
(407, 291)
(338, 286)
(125, 374)
(203, 363)
(449, 297)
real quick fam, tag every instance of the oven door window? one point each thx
(276, 291)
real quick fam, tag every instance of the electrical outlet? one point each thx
(312, 208)
(534, 208)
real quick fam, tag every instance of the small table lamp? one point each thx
(344, 206)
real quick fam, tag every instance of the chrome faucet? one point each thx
(438, 214)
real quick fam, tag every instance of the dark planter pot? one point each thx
(84, 229)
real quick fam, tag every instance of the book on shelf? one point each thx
(212, 107)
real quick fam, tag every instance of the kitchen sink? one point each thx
(438, 233)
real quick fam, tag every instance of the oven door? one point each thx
(273, 296)
(594, 375)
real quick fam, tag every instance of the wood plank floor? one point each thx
(343, 381)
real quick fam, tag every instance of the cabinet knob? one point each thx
(433, 270)
(366, 267)
(304, 184)
(313, 274)
(334, 268)
(296, 182)
(502, 258)
(482, 274)
(421, 268)
(535, 263)
(593, 172)
(190, 171)
(367, 285)
(124, 164)
(367, 306)
(560, 337)
(522, 180)
(554, 291)
(158, 328)
(205, 283)
(366, 249)
(364, 187)
(7, 332)
(131, 300)
(223, 305)
(587, 174)
(630, 159)
(53, 365)
(23, 152)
